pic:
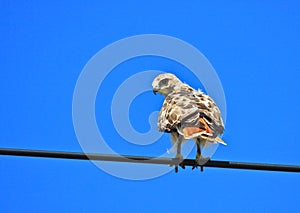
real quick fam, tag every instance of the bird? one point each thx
(186, 114)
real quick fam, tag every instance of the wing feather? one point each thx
(190, 108)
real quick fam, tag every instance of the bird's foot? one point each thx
(180, 157)
(200, 161)
(195, 166)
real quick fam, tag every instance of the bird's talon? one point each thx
(195, 165)
(179, 157)
(182, 165)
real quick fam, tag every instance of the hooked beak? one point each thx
(155, 89)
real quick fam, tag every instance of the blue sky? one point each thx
(254, 48)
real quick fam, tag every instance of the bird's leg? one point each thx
(200, 160)
(179, 156)
(198, 155)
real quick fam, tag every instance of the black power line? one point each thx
(147, 160)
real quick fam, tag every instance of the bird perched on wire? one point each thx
(187, 114)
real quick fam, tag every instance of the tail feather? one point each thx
(219, 140)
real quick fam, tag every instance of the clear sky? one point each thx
(254, 48)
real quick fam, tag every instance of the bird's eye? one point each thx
(164, 81)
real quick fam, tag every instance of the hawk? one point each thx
(187, 114)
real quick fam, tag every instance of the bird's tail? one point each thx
(219, 140)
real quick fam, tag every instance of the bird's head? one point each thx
(165, 84)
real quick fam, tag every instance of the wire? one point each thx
(148, 160)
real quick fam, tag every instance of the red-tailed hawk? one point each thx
(187, 114)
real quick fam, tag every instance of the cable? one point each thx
(148, 160)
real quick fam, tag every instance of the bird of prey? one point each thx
(187, 114)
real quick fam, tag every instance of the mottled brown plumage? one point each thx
(187, 114)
